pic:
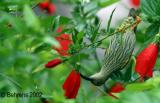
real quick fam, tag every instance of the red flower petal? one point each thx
(51, 8)
(53, 63)
(135, 2)
(74, 92)
(43, 5)
(64, 41)
(146, 60)
(72, 84)
(116, 88)
(59, 29)
(70, 81)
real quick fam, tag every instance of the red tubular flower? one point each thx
(43, 5)
(48, 6)
(135, 2)
(64, 41)
(116, 88)
(146, 60)
(51, 8)
(59, 29)
(72, 84)
(53, 63)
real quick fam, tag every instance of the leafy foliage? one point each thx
(27, 38)
(150, 10)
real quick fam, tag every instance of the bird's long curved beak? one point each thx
(85, 77)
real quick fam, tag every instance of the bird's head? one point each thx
(97, 79)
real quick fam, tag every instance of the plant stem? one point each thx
(99, 89)
(133, 81)
(99, 41)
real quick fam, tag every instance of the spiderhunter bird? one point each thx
(119, 52)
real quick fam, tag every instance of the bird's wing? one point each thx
(119, 52)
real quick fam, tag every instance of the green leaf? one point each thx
(158, 63)
(90, 7)
(149, 84)
(104, 3)
(93, 31)
(38, 69)
(41, 47)
(64, 20)
(74, 36)
(110, 19)
(50, 40)
(30, 18)
(80, 36)
(154, 81)
(58, 21)
(138, 87)
(55, 23)
(153, 29)
(151, 8)
(18, 3)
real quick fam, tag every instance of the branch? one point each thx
(132, 26)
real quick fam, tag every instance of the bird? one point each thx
(119, 52)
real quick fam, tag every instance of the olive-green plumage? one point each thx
(117, 55)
